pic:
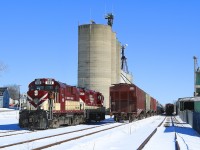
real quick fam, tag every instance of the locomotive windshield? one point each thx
(41, 87)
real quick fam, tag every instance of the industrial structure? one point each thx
(99, 57)
(196, 77)
(126, 77)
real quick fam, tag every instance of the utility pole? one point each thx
(19, 98)
(195, 62)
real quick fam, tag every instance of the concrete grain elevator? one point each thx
(98, 58)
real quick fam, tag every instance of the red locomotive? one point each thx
(129, 102)
(52, 103)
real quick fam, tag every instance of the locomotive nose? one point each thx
(36, 98)
(36, 92)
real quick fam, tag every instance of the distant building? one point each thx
(197, 84)
(4, 97)
(23, 100)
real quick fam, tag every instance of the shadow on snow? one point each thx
(10, 127)
(16, 126)
(182, 130)
(108, 120)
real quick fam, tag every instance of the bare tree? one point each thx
(14, 91)
(3, 67)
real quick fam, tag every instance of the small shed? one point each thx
(4, 97)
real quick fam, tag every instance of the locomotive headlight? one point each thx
(41, 107)
(49, 82)
(24, 108)
(37, 82)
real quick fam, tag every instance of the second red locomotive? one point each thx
(52, 103)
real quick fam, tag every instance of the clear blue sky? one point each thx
(39, 38)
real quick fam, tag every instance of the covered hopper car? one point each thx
(52, 103)
(129, 102)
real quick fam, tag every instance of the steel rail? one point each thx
(78, 137)
(177, 146)
(15, 133)
(36, 139)
(150, 136)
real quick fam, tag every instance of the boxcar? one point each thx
(127, 102)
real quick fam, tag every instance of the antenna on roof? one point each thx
(110, 18)
(92, 22)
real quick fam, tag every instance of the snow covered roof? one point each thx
(189, 99)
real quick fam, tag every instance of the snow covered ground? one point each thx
(187, 137)
(126, 137)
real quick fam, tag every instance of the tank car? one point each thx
(51, 103)
(169, 109)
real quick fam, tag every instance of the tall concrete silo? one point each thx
(97, 58)
(115, 60)
(118, 61)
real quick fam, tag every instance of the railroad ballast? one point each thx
(52, 103)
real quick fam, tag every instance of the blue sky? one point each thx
(40, 39)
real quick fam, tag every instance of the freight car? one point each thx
(129, 102)
(160, 109)
(169, 109)
(52, 103)
(153, 106)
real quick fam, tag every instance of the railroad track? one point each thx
(77, 137)
(7, 110)
(149, 137)
(176, 121)
(8, 131)
(167, 122)
(3, 134)
(60, 134)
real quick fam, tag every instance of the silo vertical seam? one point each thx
(89, 56)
